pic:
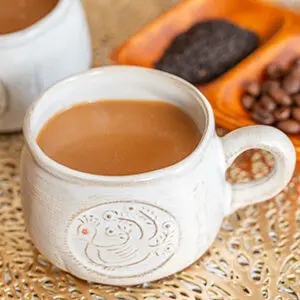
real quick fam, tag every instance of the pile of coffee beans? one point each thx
(207, 50)
(276, 100)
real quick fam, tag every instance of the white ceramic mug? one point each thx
(124, 230)
(35, 58)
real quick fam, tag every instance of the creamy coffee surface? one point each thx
(16, 15)
(119, 137)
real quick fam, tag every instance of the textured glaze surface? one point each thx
(37, 57)
(125, 230)
(3, 98)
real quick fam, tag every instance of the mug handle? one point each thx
(3, 98)
(269, 139)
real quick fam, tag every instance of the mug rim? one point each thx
(36, 28)
(58, 170)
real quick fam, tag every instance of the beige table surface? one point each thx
(255, 256)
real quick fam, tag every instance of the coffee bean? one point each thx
(296, 99)
(296, 113)
(291, 84)
(295, 71)
(267, 120)
(260, 109)
(253, 88)
(274, 71)
(276, 100)
(270, 84)
(262, 115)
(289, 126)
(267, 102)
(296, 62)
(282, 113)
(248, 101)
(280, 96)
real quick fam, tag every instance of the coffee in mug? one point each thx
(16, 15)
(119, 137)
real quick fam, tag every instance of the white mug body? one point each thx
(33, 59)
(126, 230)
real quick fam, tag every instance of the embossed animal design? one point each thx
(120, 239)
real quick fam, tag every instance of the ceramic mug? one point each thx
(33, 59)
(125, 230)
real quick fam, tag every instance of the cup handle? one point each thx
(3, 98)
(266, 138)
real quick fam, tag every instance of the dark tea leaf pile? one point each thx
(207, 50)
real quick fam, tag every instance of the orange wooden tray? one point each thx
(277, 28)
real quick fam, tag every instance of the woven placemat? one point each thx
(255, 256)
